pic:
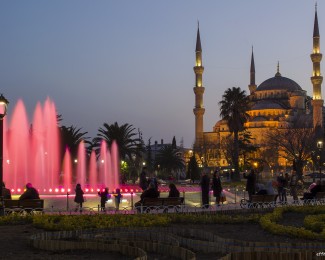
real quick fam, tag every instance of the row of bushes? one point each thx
(77, 222)
(312, 224)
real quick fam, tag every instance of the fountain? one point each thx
(32, 154)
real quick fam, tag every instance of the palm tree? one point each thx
(233, 109)
(170, 159)
(125, 137)
(71, 138)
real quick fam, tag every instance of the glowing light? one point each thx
(124, 200)
(56, 190)
(50, 190)
(87, 190)
(98, 189)
(62, 190)
(75, 160)
(131, 190)
(144, 163)
(92, 190)
(109, 201)
(69, 190)
(102, 161)
(8, 161)
(12, 190)
(18, 190)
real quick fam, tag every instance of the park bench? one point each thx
(320, 197)
(263, 200)
(23, 205)
(166, 204)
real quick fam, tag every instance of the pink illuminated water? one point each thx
(32, 154)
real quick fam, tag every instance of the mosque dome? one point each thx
(279, 83)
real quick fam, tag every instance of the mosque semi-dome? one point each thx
(279, 83)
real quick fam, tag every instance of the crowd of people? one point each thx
(279, 186)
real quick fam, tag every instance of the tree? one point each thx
(125, 137)
(296, 143)
(71, 138)
(233, 109)
(170, 159)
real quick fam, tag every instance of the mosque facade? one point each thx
(275, 104)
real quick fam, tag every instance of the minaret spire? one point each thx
(252, 86)
(278, 74)
(198, 90)
(317, 79)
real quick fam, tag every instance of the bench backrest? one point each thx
(11, 203)
(263, 198)
(152, 202)
(173, 201)
(31, 204)
(320, 195)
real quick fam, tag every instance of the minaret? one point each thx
(198, 90)
(317, 79)
(252, 86)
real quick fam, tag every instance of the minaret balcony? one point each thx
(316, 80)
(316, 57)
(198, 69)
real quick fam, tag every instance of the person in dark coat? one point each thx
(30, 193)
(313, 191)
(6, 193)
(216, 187)
(104, 196)
(143, 179)
(251, 183)
(173, 191)
(79, 197)
(118, 197)
(205, 187)
(151, 192)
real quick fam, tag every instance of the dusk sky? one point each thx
(132, 61)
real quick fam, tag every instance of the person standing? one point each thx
(251, 183)
(104, 196)
(205, 187)
(280, 186)
(30, 194)
(293, 185)
(216, 187)
(79, 197)
(118, 196)
(143, 179)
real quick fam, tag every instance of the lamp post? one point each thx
(320, 147)
(3, 111)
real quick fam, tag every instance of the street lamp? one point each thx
(320, 147)
(3, 111)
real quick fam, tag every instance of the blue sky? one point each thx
(132, 61)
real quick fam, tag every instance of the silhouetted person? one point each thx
(151, 192)
(216, 187)
(173, 191)
(30, 193)
(104, 196)
(143, 179)
(6, 193)
(79, 197)
(251, 183)
(118, 196)
(205, 186)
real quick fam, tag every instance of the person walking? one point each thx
(251, 183)
(293, 186)
(205, 187)
(104, 196)
(79, 198)
(216, 187)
